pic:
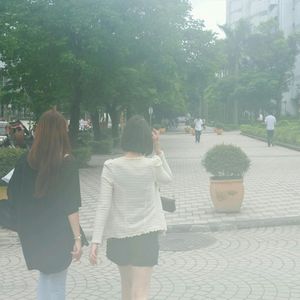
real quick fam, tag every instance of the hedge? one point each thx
(82, 156)
(102, 147)
(8, 160)
(287, 132)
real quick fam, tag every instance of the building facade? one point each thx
(287, 13)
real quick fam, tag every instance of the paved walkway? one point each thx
(258, 263)
(272, 185)
(252, 264)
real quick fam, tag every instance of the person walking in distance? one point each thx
(45, 193)
(270, 122)
(129, 213)
(198, 129)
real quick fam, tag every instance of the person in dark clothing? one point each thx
(45, 193)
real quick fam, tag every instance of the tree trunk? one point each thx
(75, 113)
(96, 125)
(235, 112)
(114, 123)
(115, 119)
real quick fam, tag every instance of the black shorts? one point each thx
(139, 251)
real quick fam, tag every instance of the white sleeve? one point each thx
(162, 171)
(104, 204)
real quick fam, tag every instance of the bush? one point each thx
(227, 161)
(82, 156)
(230, 127)
(283, 123)
(102, 147)
(286, 131)
(219, 125)
(8, 159)
(84, 138)
(157, 126)
(106, 133)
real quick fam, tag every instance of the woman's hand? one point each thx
(77, 251)
(93, 254)
(155, 139)
(155, 136)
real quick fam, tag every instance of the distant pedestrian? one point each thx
(45, 193)
(198, 122)
(270, 122)
(129, 214)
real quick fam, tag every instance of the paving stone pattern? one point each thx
(252, 264)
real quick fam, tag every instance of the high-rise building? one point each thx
(287, 13)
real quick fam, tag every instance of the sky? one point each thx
(213, 12)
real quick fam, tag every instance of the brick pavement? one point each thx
(247, 264)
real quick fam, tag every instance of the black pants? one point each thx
(270, 134)
(197, 136)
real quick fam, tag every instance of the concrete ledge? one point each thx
(242, 224)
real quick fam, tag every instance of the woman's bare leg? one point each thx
(126, 281)
(141, 277)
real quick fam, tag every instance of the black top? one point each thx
(42, 224)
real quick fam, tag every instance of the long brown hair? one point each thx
(51, 144)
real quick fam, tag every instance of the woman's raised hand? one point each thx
(155, 135)
(155, 139)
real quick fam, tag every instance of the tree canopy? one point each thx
(256, 71)
(109, 55)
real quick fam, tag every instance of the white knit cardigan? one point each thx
(129, 203)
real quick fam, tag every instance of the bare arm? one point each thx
(163, 172)
(74, 223)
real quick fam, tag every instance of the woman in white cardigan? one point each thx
(129, 213)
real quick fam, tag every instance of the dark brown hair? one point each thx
(137, 136)
(51, 144)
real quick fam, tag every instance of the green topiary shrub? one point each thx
(8, 159)
(82, 156)
(226, 161)
(102, 147)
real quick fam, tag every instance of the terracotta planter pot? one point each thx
(3, 192)
(162, 130)
(227, 194)
(218, 131)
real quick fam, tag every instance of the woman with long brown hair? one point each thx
(45, 192)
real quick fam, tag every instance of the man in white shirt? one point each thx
(270, 122)
(198, 129)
